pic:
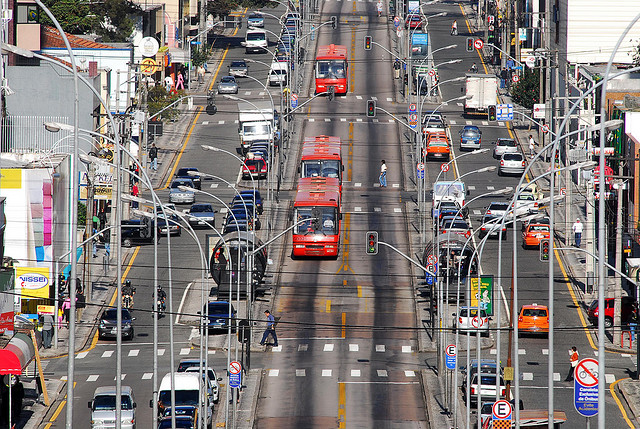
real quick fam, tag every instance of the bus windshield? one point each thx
(329, 221)
(321, 168)
(331, 69)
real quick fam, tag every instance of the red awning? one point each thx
(9, 363)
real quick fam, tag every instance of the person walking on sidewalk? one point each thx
(396, 69)
(153, 157)
(271, 329)
(200, 72)
(577, 231)
(47, 330)
(532, 146)
(135, 191)
(383, 174)
(574, 357)
(454, 28)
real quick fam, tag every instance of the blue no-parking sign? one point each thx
(451, 352)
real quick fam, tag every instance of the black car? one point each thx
(450, 208)
(107, 325)
(238, 225)
(137, 231)
(183, 173)
(173, 224)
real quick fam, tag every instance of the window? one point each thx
(331, 69)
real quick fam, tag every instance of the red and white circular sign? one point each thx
(563, 191)
(294, 96)
(451, 350)
(235, 367)
(545, 128)
(444, 168)
(501, 409)
(420, 166)
(587, 372)
(516, 78)
(477, 322)
(432, 72)
(478, 43)
(432, 259)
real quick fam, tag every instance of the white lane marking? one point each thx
(220, 122)
(311, 120)
(493, 351)
(274, 372)
(389, 99)
(377, 209)
(205, 122)
(63, 378)
(133, 353)
(358, 119)
(121, 377)
(610, 378)
(406, 349)
(235, 121)
(184, 296)
(161, 352)
(184, 351)
(276, 349)
(382, 373)
(469, 122)
(358, 97)
(214, 185)
(327, 119)
(303, 347)
(396, 185)
(502, 124)
(343, 119)
(485, 123)
(326, 373)
(328, 348)
(391, 121)
(491, 188)
(625, 355)
(545, 352)
(380, 348)
(527, 376)
(522, 352)
(409, 373)
(261, 93)
(357, 209)
(376, 120)
(556, 376)
(452, 122)
(247, 93)
(92, 377)
(460, 104)
(476, 212)
(301, 372)
(82, 355)
(107, 354)
(471, 187)
(147, 376)
(374, 98)
(397, 210)
(353, 347)
(357, 185)
(355, 373)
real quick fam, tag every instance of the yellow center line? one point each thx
(56, 414)
(328, 306)
(342, 404)
(344, 323)
(359, 291)
(612, 389)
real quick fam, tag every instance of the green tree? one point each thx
(110, 19)
(199, 56)
(82, 214)
(222, 8)
(158, 98)
(527, 91)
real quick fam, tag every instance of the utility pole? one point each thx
(202, 26)
(617, 287)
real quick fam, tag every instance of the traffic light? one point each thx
(469, 44)
(243, 331)
(492, 113)
(557, 156)
(371, 108)
(372, 242)
(211, 103)
(334, 22)
(544, 250)
(332, 92)
(316, 222)
(368, 40)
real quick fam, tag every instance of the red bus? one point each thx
(320, 237)
(331, 69)
(321, 157)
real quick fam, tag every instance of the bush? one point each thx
(527, 92)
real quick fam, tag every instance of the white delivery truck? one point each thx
(255, 122)
(255, 41)
(481, 91)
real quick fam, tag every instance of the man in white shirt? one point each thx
(577, 231)
(383, 174)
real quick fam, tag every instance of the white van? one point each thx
(103, 408)
(278, 73)
(255, 41)
(188, 388)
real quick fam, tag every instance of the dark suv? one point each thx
(628, 311)
(183, 173)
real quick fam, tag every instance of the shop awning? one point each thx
(9, 363)
(179, 55)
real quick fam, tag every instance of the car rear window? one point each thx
(534, 312)
(512, 157)
(499, 206)
(538, 228)
(464, 312)
(219, 308)
(508, 143)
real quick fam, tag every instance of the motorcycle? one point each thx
(160, 307)
(127, 302)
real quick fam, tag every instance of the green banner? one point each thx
(486, 293)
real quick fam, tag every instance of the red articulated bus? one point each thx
(321, 157)
(331, 69)
(318, 201)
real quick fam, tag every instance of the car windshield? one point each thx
(509, 143)
(512, 157)
(279, 72)
(228, 79)
(183, 397)
(176, 183)
(321, 168)
(328, 217)
(256, 36)
(254, 163)
(534, 312)
(111, 314)
(331, 69)
(238, 64)
(255, 16)
(256, 129)
(186, 423)
(201, 208)
(526, 197)
(108, 402)
(449, 205)
(471, 312)
(452, 189)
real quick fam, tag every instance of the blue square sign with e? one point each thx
(235, 380)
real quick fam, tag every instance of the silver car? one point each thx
(178, 196)
(228, 85)
(468, 319)
(103, 408)
(238, 68)
(504, 146)
(511, 163)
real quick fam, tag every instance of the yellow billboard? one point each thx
(32, 282)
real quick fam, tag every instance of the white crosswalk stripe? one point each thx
(527, 376)
(134, 353)
(161, 352)
(303, 347)
(493, 352)
(556, 376)
(311, 120)
(122, 376)
(147, 376)
(377, 209)
(406, 349)
(545, 352)
(452, 122)
(380, 348)
(328, 348)
(214, 185)
(358, 97)
(522, 351)
(485, 123)
(375, 121)
(468, 122)
(355, 373)
(107, 354)
(357, 209)
(397, 210)
(327, 119)
(410, 373)
(477, 212)
(301, 372)
(205, 122)
(343, 119)
(374, 98)
(609, 378)
(460, 104)
(357, 185)
(82, 355)
(220, 122)
(326, 373)
(502, 124)
(358, 119)
(276, 348)
(471, 187)
(389, 99)
(382, 373)
(92, 378)
(274, 372)
(491, 188)
(247, 93)
(184, 351)
(353, 347)
(395, 185)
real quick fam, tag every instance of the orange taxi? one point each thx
(534, 233)
(533, 319)
(438, 146)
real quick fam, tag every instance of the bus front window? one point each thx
(330, 69)
(311, 169)
(328, 225)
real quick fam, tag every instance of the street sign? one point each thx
(149, 66)
(432, 259)
(396, 21)
(504, 112)
(585, 387)
(413, 108)
(530, 61)
(413, 120)
(294, 100)
(430, 275)
(432, 72)
(478, 43)
(563, 191)
(444, 167)
(235, 380)
(516, 78)
(399, 31)
(539, 111)
(501, 410)
(545, 128)
(451, 353)
(420, 170)
(477, 322)
(235, 367)
(491, 27)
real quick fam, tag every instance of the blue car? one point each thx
(219, 315)
(470, 137)
(253, 196)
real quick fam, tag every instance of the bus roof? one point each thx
(319, 183)
(322, 139)
(324, 197)
(320, 151)
(332, 51)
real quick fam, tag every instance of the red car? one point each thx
(413, 21)
(628, 310)
(255, 166)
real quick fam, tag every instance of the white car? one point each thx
(468, 319)
(504, 146)
(484, 385)
(527, 203)
(511, 163)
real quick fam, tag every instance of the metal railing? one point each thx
(26, 134)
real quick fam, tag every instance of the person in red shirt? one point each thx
(574, 357)
(135, 192)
